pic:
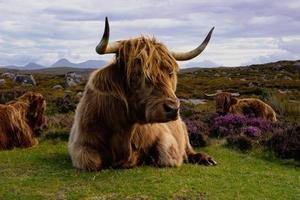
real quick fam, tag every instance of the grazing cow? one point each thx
(228, 103)
(128, 114)
(21, 120)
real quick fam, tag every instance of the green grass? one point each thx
(45, 172)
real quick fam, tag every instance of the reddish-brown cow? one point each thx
(128, 114)
(228, 103)
(21, 121)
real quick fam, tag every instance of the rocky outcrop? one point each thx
(58, 87)
(25, 79)
(9, 75)
(73, 79)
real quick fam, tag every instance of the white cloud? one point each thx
(43, 31)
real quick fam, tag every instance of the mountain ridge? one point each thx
(63, 62)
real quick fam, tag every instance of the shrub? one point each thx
(286, 142)
(283, 106)
(198, 132)
(58, 127)
(198, 129)
(235, 124)
(241, 141)
(251, 131)
(66, 104)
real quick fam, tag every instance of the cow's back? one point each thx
(254, 107)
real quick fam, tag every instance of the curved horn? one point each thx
(104, 47)
(181, 56)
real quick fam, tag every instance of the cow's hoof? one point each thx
(202, 159)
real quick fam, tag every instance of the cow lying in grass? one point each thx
(229, 103)
(21, 121)
(128, 114)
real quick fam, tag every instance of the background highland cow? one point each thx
(21, 121)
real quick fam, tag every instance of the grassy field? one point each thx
(46, 172)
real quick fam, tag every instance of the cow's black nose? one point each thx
(171, 109)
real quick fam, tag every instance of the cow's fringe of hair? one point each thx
(140, 53)
(152, 56)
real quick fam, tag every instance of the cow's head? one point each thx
(147, 73)
(224, 100)
(35, 113)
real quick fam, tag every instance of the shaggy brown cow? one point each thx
(128, 114)
(228, 103)
(21, 121)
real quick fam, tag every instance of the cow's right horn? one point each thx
(104, 46)
(181, 56)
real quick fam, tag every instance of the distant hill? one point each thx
(87, 64)
(49, 70)
(33, 66)
(60, 63)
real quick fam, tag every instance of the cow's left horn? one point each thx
(181, 56)
(104, 46)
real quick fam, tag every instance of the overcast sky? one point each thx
(246, 32)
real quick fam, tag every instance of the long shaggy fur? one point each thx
(21, 120)
(116, 119)
(226, 103)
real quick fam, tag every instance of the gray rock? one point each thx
(79, 95)
(57, 87)
(194, 101)
(277, 67)
(254, 84)
(2, 81)
(73, 79)
(8, 75)
(25, 79)
(287, 78)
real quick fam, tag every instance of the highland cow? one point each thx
(228, 103)
(21, 121)
(129, 113)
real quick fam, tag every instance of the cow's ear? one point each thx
(233, 100)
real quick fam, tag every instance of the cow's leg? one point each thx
(194, 157)
(122, 153)
(167, 150)
(198, 158)
(86, 158)
(25, 137)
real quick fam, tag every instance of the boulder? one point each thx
(57, 87)
(287, 78)
(8, 75)
(25, 79)
(277, 67)
(79, 95)
(254, 84)
(2, 81)
(72, 79)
